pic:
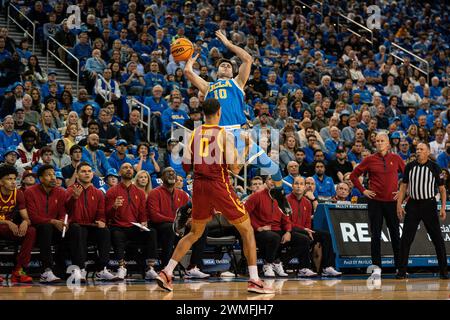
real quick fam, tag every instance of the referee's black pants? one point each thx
(377, 211)
(426, 211)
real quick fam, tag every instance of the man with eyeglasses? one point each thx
(404, 152)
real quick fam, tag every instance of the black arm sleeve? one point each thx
(406, 173)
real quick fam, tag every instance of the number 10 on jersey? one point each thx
(220, 94)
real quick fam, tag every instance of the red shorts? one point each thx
(210, 196)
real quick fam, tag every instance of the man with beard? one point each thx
(162, 205)
(45, 205)
(28, 154)
(324, 184)
(340, 166)
(11, 103)
(86, 209)
(96, 158)
(125, 205)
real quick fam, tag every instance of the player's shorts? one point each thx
(210, 196)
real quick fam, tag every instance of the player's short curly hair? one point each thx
(6, 169)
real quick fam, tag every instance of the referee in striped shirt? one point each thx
(422, 180)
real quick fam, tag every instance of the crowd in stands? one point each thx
(325, 90)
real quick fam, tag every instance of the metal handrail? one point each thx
(359, 25)
(32, 36)
(107, 96)
(77, 72)
(141, 121)
(427, 72)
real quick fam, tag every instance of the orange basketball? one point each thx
(181, 49)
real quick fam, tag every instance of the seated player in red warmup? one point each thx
(273, 230)
(12, 200)
(210, 152)
(300, 200)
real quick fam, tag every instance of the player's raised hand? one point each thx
(191, 61)
(222, 38)
(77, 190)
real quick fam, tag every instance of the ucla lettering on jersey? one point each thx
(231, 99)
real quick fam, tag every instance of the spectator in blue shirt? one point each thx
(289, 87)
(332, 143)
(133, 81)
(355, 155)
(157, 106)
(372, 74)
(409, 118)
(435, 89)
(82, 101)
(111, 179)
(8, 136)
(95, 157)
(154, 77)
(293, 171)
(4, 54)
(365, 95)
(119, 156)
(82, 50)
(444, 158)
(146, 160)
(324, 184)
(171, 115)
(310, 148)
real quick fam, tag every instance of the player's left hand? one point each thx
(442, 213)
(286, 237)
(23, 229)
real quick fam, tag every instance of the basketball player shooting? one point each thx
(229, 91)
(211, 153)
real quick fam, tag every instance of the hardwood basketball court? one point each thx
(423, 287)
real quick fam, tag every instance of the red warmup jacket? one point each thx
(88, 208)
(132, 210)
(383, 175)
(301, 212)
(43, 207)
(162, 204)
(264, 211)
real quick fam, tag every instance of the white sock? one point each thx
(170, 267)
(253, 271)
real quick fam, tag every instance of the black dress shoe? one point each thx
(401, 275)
(443, 276)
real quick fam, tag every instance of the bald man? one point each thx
(382, 168)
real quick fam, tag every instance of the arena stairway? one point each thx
(63, 75)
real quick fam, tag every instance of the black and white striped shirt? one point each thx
(422, 179)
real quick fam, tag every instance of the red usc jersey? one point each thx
(11, 204)
(208, 152)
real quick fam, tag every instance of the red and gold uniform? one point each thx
(212, 190)
(9, 206)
